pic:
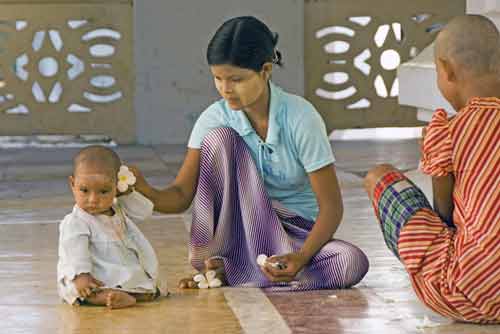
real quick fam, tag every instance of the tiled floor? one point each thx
(382, 303)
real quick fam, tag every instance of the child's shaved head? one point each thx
(472, 42)
(99, 157)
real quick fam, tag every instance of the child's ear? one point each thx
(448, 69)
(71, 181)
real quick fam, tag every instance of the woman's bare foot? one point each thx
(119, 299)
(188, 283)
(216, 265)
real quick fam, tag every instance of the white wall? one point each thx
(490, 8)
(483, 6)
(173, 84)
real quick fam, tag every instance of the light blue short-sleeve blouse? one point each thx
(296, 144)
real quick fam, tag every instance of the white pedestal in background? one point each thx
(417, 77)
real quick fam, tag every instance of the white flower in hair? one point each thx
(208, 280)
(125, 178)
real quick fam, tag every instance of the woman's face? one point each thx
(240, 87)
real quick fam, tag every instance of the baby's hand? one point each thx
(85, 283)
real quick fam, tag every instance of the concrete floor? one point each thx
(34, 197)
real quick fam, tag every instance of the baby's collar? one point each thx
(483, 102)
(80, 213)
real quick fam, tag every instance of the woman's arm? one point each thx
(326, 187)
(177, 197)
(442, 190)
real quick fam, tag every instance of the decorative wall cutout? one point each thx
(67, 69)
(48, 66)
(336, 78)
(389, 59)
(78, 108)
(102, 81)
(98, 33)
(352, 55)
(361, 20)
(19, 109)
(75, 24)
(102, 50)
(20, 25)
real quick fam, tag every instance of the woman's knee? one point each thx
(355, 266)
(220, 136)
(359, 267)
(346, 266)
(219, 141)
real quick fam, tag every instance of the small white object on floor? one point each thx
(333, 296)
(210, 275)
(215, 283)
(428, 323)
(209, 280)
(203, 285)
(261, 260)
(199, 278)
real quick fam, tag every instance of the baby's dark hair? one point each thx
(98, 156)
(244, 42)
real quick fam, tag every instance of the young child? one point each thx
(104, 259)
(452, 253)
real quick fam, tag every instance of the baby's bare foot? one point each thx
(119, 299)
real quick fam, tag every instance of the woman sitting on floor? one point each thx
(261, 171)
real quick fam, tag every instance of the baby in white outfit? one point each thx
(104, 259)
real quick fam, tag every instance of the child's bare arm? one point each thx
(442, 189)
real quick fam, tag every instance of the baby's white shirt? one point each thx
(92, 244)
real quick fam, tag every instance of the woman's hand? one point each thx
(284, 268)
(141, 185)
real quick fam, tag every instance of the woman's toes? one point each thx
(184, 283)
(214, 264)
(215, 270)
(187, 283)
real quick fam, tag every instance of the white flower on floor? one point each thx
(125, 178)
(261, 260)
(208, 280)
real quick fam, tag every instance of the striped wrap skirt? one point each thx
(235, 220)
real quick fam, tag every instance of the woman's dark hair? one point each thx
(244, 42)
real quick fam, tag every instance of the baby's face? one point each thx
(93, 190)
